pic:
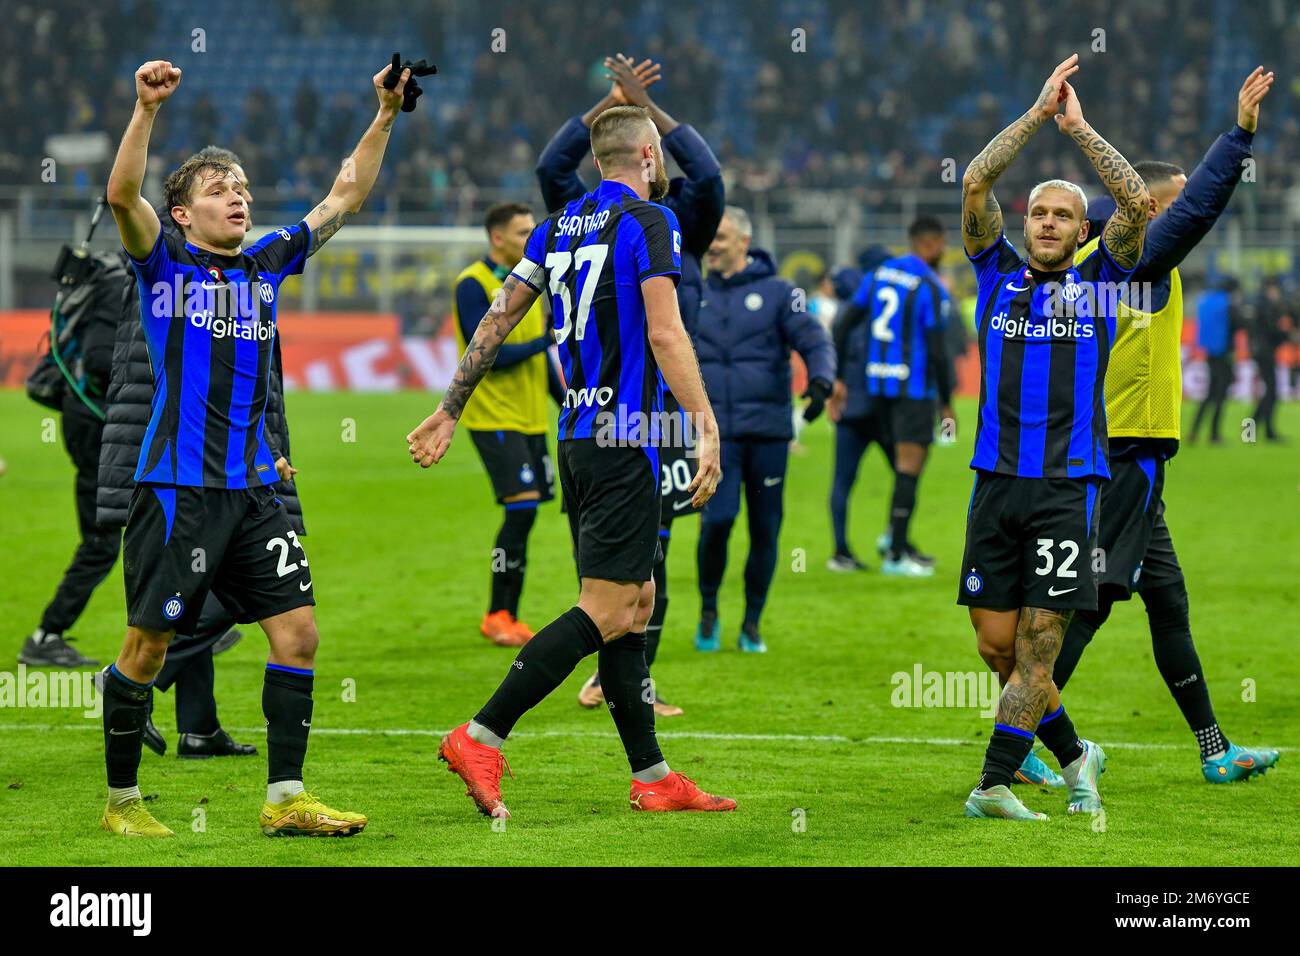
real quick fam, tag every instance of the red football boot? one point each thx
(676, 792)
(480, 766)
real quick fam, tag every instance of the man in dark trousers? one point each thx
(858, 417)
(1267, 334)
(749, 324)
(697, 199)
(1217, 316)
(92, 303)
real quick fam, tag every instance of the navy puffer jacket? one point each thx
(747, 329)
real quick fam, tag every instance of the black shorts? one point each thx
(1136, 549)
(1030, 543)
(910, 419)
(678, 464)
(611, 496)
(873, 425)
(182, 542)
(516, 463)
(677, 468)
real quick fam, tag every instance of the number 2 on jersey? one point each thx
(880, 330)
(557, 267)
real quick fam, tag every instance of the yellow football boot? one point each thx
(132, 819)
(304, 815)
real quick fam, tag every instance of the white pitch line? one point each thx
(666, 735)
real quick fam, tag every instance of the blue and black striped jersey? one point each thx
(209, 324)
(1044, 342)
(905, 301)
(591, 258)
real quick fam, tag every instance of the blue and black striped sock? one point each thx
(1008, 748)
(1058, 735)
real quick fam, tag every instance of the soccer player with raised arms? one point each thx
(1045, 327)
(610, 261)
(1144, 391)
(202, 517)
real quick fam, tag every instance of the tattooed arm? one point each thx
(1125, 230)
(357, 177)
(981, 216)
(428, 442)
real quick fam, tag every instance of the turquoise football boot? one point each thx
(1238, 763)
(710, 640)
(1082, 776)
(1038, 774)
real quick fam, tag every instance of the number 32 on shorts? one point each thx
(1069, 551)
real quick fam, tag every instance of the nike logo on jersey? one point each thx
(771, 482)
(306, 723)
(304, 585)
(1012, 287)
(1053, 592)
(682, 505)
(121, 733)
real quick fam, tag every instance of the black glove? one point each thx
(817, 392)
(411, 92)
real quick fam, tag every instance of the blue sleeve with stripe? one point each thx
(992, 262)
(158, 265)
(284, 251)
(657, 244)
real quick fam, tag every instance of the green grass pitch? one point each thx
(826, 769)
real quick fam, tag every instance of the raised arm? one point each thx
(357, 177)
(557, 166)
(137, 223)
(1125, 229)
(429, 441)
(1175, 232)
(700, 203)
(981, 216)
(675, 355)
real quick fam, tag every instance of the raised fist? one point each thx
(155, 81)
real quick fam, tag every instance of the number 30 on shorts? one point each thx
(283, 568)
(676, 477)
(1069, 552)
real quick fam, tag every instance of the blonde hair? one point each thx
(618, 134)
(1069, 187)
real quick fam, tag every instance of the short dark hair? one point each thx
(1154, 172)
(501, 214)
(179, 185)
(925, 225)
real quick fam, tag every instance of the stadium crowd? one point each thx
(861, 109)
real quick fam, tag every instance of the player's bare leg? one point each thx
(127, 691)
(290, 810)
(996, 635)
